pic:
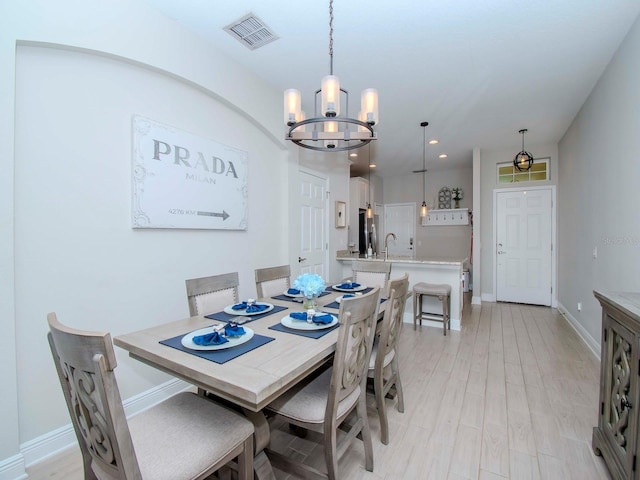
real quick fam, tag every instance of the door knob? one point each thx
(300, 259)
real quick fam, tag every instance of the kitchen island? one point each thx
(430, 270)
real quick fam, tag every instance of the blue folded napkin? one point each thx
(256, 307)
(213, 338)
(348, 295)
(233, 330)
(293, 291)
(319, 319)
(349, 286)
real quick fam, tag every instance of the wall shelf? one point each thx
(442, 217)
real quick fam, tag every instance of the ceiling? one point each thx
(477, 70)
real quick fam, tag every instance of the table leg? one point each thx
(261, 464)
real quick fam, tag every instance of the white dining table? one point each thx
(250, 381)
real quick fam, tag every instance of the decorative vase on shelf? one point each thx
(457, 204)
(310, 303)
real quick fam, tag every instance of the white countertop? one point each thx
(417, 261)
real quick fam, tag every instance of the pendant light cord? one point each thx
(424, 161)
(330, 37)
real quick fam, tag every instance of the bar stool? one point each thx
(443, 292)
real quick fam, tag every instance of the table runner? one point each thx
(219, 356)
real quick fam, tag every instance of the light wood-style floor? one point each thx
(513, 395)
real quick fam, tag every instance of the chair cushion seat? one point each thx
(187, 427)
(374, 353)
(308, 402)
(423, 288)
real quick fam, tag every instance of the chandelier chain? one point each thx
(330, 37)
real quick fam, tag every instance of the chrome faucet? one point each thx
(386, 246)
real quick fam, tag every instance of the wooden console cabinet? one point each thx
(616, 437)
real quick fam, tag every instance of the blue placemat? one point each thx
(286, 298)
(304, 333)
(219, 356)
(225, 317)
(336, 305)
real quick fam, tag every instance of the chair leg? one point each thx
(331, 453)
(245, 460)
(415, 309)
(396, 369)
(378, 387)
(366, 433)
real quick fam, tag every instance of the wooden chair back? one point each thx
(211, 294)
(392, 321)
(272, 280)
(85, 362)
(371, 274)
(358, 317)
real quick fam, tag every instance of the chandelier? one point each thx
(523, 160)
(332, 130)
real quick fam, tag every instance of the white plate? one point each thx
(339, 299)
(298, 295)
(229, 309)
(357, 289)
(303, 325)
(187, 340)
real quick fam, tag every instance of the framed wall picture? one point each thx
(341, 214)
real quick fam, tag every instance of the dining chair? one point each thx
(182, 438)
(273, 280)
(371, 274)
(383, 365)
(211, 294)
(322, 403)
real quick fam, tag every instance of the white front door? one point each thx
(313, 224)
(524, 246)
(399, 219)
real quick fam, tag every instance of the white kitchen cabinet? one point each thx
(359, 193)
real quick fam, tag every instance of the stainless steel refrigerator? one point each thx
(368, 232)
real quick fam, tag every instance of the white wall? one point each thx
(434, 242)
(598, 202)
(489, 182)
(82, 70)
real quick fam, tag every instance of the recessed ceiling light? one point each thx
(433, 142)
(442, 155)
(373, 165)
(353, 155)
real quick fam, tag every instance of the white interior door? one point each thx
(313, 257)
(524, 246)
(400, 219)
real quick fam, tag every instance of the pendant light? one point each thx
(369, 209)
(424, 210)
(332, 129)
(523, 160)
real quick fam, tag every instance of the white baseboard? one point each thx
(591, 342)
(61, 439)
(13, 468)
(476, 300)
(488, 297)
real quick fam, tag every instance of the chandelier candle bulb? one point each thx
(330, 91)
(369, 105)
(292, 106)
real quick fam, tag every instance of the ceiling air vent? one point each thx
(251, 31)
